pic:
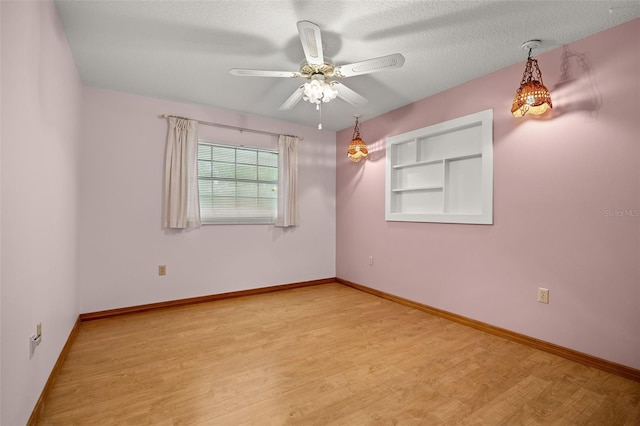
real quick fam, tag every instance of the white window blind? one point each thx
(237, 184)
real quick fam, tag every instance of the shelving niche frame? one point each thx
(442, 173)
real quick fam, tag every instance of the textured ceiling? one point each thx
(183, 50)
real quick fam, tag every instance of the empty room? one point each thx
(329, 212)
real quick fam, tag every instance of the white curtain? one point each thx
(181, 198)
(287, 182)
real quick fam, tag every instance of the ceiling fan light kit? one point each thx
(318, 90)
(532, 97)
(321, 88)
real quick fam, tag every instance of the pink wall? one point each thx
(41, 94)
(566, 207)
(121, 240)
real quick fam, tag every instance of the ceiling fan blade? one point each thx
(293, 99)
(370, 65)
(348, 95)
(311, 42)
(262, 73)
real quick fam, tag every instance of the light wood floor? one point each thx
(322, 355)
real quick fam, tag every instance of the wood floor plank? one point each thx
(321, 355)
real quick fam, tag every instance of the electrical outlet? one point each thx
(543, 295)
(162, 269)
(370, 260)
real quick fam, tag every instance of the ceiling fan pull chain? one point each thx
(319, 108)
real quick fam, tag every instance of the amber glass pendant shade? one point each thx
(357, 148)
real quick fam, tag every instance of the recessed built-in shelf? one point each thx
(442, 173)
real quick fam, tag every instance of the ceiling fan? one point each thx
(320, 71)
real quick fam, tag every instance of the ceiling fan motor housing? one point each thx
(308, 70)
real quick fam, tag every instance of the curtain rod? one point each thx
(226, 126)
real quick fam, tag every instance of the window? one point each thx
(237, 184)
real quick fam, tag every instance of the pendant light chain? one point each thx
(356, 130)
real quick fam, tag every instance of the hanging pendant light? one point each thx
(532, 97)
(357, 148)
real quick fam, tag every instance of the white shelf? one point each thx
(419, 188)
(418, 163)
(442, 173)
(438, 161)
